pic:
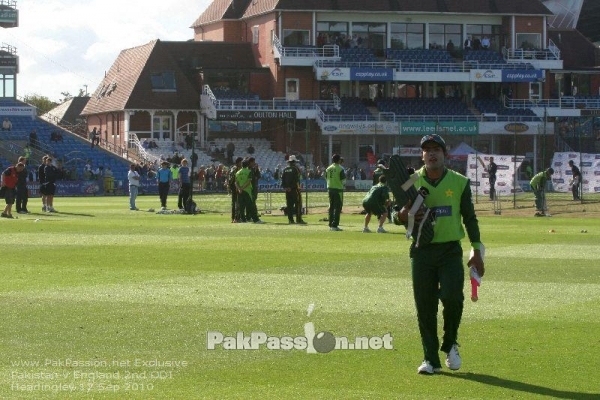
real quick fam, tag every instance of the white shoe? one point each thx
(453, 360)
(427, 369)
(163, 208)
(381, 230)
(366, 230)
(335, 228)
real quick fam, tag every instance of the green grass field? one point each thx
(101, 302)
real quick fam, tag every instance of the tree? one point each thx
(42, 103)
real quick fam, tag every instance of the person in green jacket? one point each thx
(377, 202)
(243, 183)
(335, 176)
(538, 184)
(437, 267)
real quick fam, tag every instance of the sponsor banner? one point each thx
(588, 164)
(312, 185)
(360, 128)
(8, 61)
(479, 177)
(510, 128)
(333, 74)
(522, 75)
(363, 184)
(590, 113)
(254, 115)
(26, 111)
(9, 16)
(407, 151)
(372, 74)
(150, 186)
(95, 188)
(485, 75)
(445, 128)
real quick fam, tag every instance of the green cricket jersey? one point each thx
(538, 181)
(450, 199)
(335, 177)
(377, 196)
(243, 176)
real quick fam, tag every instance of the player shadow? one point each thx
(522, 386)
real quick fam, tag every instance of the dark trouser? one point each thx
(163, 193)
(539, 200)
(184, 195)
(291, 203)
(575, 190)
(492, 188)
(21, 198)
(438, 275)
(235, 207)
(247, 207)
(335, 207)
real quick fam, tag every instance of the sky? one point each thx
(64, 45)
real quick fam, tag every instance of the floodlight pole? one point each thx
(515, 166)
(306, 168)
(580, 189)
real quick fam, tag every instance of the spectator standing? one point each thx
(134, 186)
(576, 180)
(94, 137)
(230, 151)
(22, 196)
(10, 176)
(491, 170)
(51, 175)
(42, 182)
(290, 181)
(335, 177)
(164, 177)
(185, 184)
(33, 140)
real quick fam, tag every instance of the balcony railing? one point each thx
(568, 102)
(552, 54)
(406, 66)
(327, 51)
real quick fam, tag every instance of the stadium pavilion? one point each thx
(355, 78)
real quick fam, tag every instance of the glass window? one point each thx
(331, 32)
(163, 81)
(529, 41)
(492, 32)
(7, 85)
(407, 36)
(441, 34)
(369, 35)
(293, 38)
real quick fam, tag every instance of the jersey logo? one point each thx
(443, 211)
